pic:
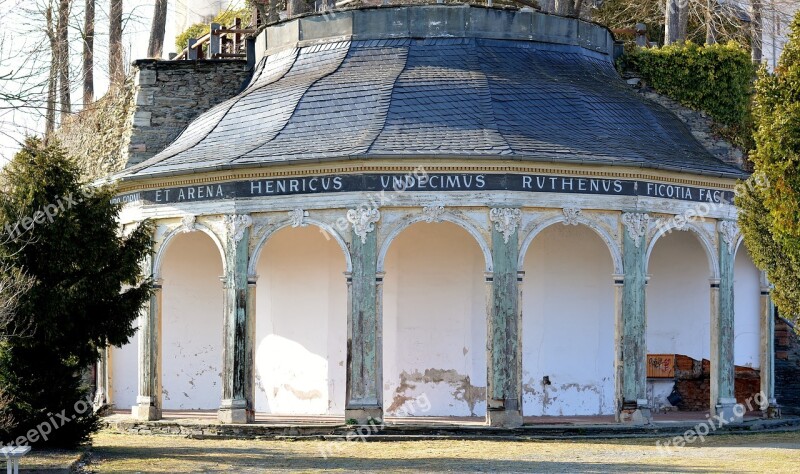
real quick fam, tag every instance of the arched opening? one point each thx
(568, 324)
(123, 377)
(301, 324)
(434, 323)
(747, 310)
(679, 319)
(192, 323)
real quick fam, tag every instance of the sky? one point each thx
(22, 31)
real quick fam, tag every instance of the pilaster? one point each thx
(504, 397)
(148, 400)
(769, 405)
(632, 399)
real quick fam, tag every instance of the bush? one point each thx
(198, 30)
(85, 295)
(716, 79)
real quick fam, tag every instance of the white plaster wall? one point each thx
(747, 306)
(192, 324)
(568, 324)
(124, 375)
(679, 297)
(301, 324)
(657, 392)
(434, 323)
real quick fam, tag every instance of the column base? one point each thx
(729, 410)
(362, 415)
(143, 412)
(773, 411)
(504, 418)
(635, 413)
(235, 412)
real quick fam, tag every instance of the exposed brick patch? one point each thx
(693, 383)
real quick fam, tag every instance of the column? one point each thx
(619, 367)
(236, 406)
(101, 380)
(148, 400)
(504, 397)
(723, 397)
(632, 399)
(364, 327)
(769, 405)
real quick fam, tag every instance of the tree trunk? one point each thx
(156, 47)
(711, 25)
(671, 21)
(683, 20)
(273, 16)
(52, 79)
(566, 7)
(88, 54)
(116, 70)
(62, 44)
(757, 31)
(297, 7)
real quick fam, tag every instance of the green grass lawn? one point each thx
(777, 452)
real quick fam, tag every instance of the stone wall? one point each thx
(133, 122)
(787, 367)
(170, 94)
(97, 137)
(702, 127)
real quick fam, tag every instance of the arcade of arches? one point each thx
(460, 312)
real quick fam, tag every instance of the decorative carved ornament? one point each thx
(298, 217)
(236, 225)
(363, 221)
(571, 215)
(433, 213)
(730, 234)
(505, 221)
(636, 223)
(189, 224)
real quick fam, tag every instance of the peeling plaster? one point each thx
(463, 389)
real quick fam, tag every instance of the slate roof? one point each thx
(429, 98)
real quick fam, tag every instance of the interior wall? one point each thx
(747, 307)
(679, 297)
(192, 324)
(568, 324)
(301, 324)
(124, 372)
(434, 323)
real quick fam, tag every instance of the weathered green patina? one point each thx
(363, 331)
(722, 367)
(148, 401)
(236, 352)
(634, 323)
(505, 378)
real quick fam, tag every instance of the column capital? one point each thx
(619, 279)
(714, 282)
(252, 279)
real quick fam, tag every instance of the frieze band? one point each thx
(427, 182)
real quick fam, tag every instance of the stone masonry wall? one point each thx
(787, 367)
(170, 94)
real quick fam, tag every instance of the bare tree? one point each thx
(52, 79)
(757, 30)
(156, 46)
(13, 286)
(297, 7)
(62, 48)
(672, 22)
(116, 70)
(711, 21)
(88, 53)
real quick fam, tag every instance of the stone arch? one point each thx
(739, 244)
(611, 244)
(446, 217)
(256, 254)
(165, 243)
(708, 247)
